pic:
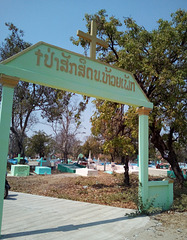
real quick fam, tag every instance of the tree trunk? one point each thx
(167, 152)
(19, 139)
(126, 167)
(172, 159)
(122, 160)
(65, 157)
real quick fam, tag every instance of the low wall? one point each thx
(160, 194)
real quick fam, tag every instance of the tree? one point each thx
(14, 43)
(112, 124)
(28, 97)
(92, 144)
(39, 144)
(67, 126)
(157, 60)
(13, 146)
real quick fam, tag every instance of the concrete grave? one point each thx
(42, 170)
(20, 170)
(70, 168)
(86, 172)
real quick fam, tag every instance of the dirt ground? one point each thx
(108, 190)
(104, 189)
(165, 226)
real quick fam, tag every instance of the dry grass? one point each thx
(104, 189)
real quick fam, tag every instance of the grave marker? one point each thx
(20, 170)
(19, 158)
(42, 170)
(41, 161)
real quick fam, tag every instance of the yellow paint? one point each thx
(143, 111)
(8, 81)
(92, 38)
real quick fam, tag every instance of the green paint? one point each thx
(157, 193)
(41, 161)
(19, 158)
(171, 174)
(20, 170)
(55, 67)
(71, 168)
(42, 170)
(5, 118)
(161, 194)
(143, 156)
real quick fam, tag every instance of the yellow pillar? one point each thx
(143, 142)
(8, 84)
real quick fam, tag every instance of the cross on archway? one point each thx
(92, 38)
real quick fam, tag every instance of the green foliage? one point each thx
(148, 207)
(157, 59)
(14, 43)
(180, 203)
(180, 198)
(117, 129)
(91, 144)
(39, 144)
(29, 98)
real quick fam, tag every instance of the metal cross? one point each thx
(92, 38)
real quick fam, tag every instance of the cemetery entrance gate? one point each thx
(55, 67)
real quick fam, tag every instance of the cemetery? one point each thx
(71, 168)
(171, 174)
(100, 183)
(86, 180)
(133, 96)
(89, 167)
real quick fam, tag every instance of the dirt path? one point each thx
(165, 226)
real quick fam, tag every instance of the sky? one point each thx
(55, 21)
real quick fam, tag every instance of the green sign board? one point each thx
(55, 67)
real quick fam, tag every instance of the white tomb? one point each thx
(86, 172)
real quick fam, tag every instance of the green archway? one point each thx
(55, 67)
